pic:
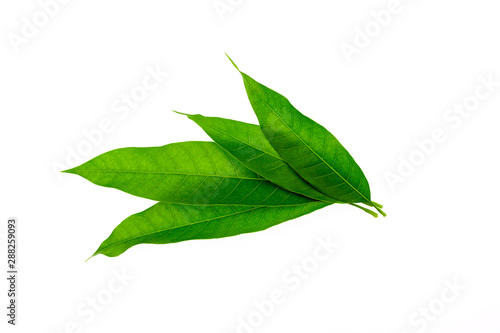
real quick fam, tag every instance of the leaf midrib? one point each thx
(275, 156)
(247, 144)
(331, 167)
(167, 173)
(203, 221)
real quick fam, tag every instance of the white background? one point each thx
(442, 222)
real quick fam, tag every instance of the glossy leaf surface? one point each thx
(309, 148)
(186, 172)
(170, 223)
(248, 144)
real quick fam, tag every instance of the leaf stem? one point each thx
(377, 207)
(365, 210)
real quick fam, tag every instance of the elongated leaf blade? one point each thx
(248, 144)
(309, 148)
(186, 172)
(170, 223)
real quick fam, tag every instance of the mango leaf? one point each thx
(247, 143)
(309, 148)
(170, 223)
(186, 172)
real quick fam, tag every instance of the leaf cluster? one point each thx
(251, 177)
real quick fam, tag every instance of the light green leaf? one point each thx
(186, 172)
(170, 223)
(309, 148)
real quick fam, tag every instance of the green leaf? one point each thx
(309, 148)
(247, 143)
(170, 223)
(186, 172)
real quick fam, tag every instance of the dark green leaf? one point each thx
(310, 149)
(247, 143)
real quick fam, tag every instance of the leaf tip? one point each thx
(181, 113)
(72, 170)
(92, 256)
(232, 62)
